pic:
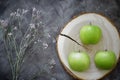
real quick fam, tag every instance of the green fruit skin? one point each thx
(90, 34)
(79, 61)
(105, 60)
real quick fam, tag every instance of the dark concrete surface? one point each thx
(55, 14)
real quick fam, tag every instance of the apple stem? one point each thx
(73, 40)
(105, 49)
(90, 23)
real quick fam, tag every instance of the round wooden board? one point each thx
(110, 41)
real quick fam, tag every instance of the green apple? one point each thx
(90, 34)
(79, 61)
(105, 59)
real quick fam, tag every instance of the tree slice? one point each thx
(110, 41)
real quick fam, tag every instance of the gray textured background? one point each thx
(55, 14)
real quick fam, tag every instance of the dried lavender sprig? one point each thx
(9, 56)
(8, 40)
(23, 45)
(22, 52)
(28, 38)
